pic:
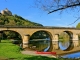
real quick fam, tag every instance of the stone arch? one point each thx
(1, 31)
(70, 47)
(47, 32)
(43, 31)
(70, 34)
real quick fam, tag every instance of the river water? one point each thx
(40, 45)
(63, 46)
(72, 55)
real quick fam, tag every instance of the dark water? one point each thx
(40, 45)
(64, 46)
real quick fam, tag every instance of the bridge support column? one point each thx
(75, 40)
(25, 41)
(55, 42)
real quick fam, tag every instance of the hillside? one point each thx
(16, 20)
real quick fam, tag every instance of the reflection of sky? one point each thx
(46, 48)
(74, 55)
(63, 45)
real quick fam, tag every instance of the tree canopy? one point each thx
(16, 20)
(78, 25)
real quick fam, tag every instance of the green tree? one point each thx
(78, 25)
(64, 37)
(16, 20)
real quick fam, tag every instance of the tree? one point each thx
(78, 25)
(57, 5)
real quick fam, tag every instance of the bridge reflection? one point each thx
(39, 44)
(30, 33)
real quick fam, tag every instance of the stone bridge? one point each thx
(54, 32)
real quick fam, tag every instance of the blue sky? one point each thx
(27, 10)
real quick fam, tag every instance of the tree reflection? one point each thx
(40, 40)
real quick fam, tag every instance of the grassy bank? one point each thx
(12, 51)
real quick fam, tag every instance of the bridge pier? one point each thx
(75, 40)
(25, 41)
(55, 42)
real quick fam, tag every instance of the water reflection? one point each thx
(43, 45)
(73, 55)
(64, 44)
(39, 45)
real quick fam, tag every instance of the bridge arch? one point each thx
(70, 34)
(41, 35)
(26, 32)
(69, 43)
(12, 35)
(44, 31)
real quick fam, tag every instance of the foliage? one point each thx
(78, 25)
(16, 20)
(39, 35)
(64, 37)
(10, 35)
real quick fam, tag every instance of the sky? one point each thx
(27, 10)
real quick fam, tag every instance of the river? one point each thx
(40, 45)
(72, 55)
(63, 46)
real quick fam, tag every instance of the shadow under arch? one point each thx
(71, 46)
(42, 34)
(17, 36)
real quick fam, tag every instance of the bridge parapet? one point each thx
(44, 27)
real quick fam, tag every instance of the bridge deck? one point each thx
(43, 27)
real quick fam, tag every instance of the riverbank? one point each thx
(9, 51)
(27, 52)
